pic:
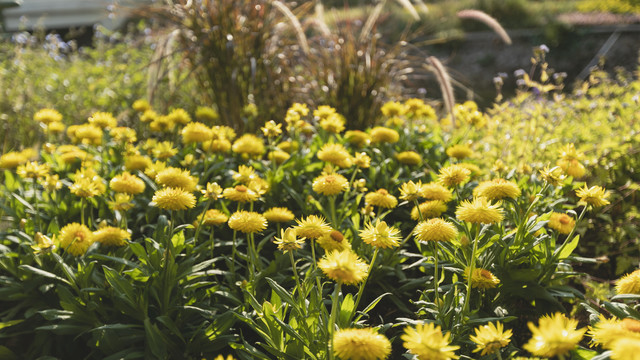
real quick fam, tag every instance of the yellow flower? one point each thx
(625, 349)
(381, 134)
(381, 198)
(86, 187)
(127, 183)
(360, 344)
(240, 193)
(11, 160)
(288, 240)
(33, 170)
(43, 242)
(278, 156)
(357, 138)
(136, 162)
(55, 127)
(220, 357)
(629, 284)
(411, 191)
(335, 154)
(362, 160)
(606, 331)
(392, 108)
(323, 112)
(111, 236)
(416, 108)
(123, 134)
(552, 176)
(177, 178)
(88, 134)
(380, 235)
(245, 174)
(161, 124)
(490, 338)
(213, 191)
(299, 109)
(103, 120)
(278, 215)
(212, 217)
(333, 123)
(428, 342)
(173, 199)
(164, 150)
(497, 189)
(572, 167)
(247, 222)
(224, 131)
(220, 145)
(333, 241)
(562, 223)
(479, 211)
(248, 144)
(595, 196)
(141, 105)
(153, 169)
(410, 158)
(435, 230)
(343, 267)
(555, 335)
(148, 116)
(205, 113)
(453, 175)
(75, 239)
(271, 129)
(47, 116)
(330, 184)
(459, 151)
(428, 209)
(179, 116)
(435, 191)
(121, 202)
(51, 183)
(482, 279)
(312, 227)
(196, 132)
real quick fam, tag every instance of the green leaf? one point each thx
(6, 354)
(155, 343)
(347, 309)
(8, 324)
(567, 249)
(284, 294)
(371, 305)
(41, 272)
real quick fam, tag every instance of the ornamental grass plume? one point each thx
(453, 175)
(343, 267)
(173, 199)
(288, 240)
(380, 235)
(335, 154)
(75, 239)
(111, 236)
(312, 227)
(428, 209)
(497, 189)
(127, 183)
(479, 211)
(427, 341)
(562, 223)
(595, 196)
(361, 344)
(629, 284)
(555, 335)
(177, 178)
(435, 230)
(381, 198)
(330, 184)
(248, 222)
(490, 338)
(482, 279)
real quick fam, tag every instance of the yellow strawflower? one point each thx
(357, 138)
(625, 349)
(249, 145)
(271, 129)
(312, 227)
(497, 189)
(123, 134)
(179, 116)
(410, 190)
(196, 132)
(136, 162)
(490, 338)
(288, 240)
(555, 335)
(141, 105)
(410, 158)
(240, 193)
(278, 215)
(103, 120)
(245, 174)
(381, 134)
(360, 344)
(380, 235)
(629, 284)
(381, 198)
(392, 108)
(205, 113)
(11, 160)
(435, 230)
(330, 184)
(482, 279)
(561, 222)
(173, 199)
(247, 222)
(212, 217)
(453, 175)
(459, 151)
(75, 239)
(177, 178)
(343, 267)
(333, 241)
(428, 209)
(428, 342)
(335, 154)
(47, 116)
(435, 191)
(127, 183)
(111, 236)
(606, 331)
(33, 170)
(595, 196)
(552, 176)
(479, 211)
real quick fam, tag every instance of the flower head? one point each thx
(249, 145)
(127, 183)
(111, 236)
(173, 199)
(606, 331)
(211, 217)
(333, 241)
(335, 154)
(381, 198)
(561, 222)
(33, 170)
(196, 132)
(245, 174)
(121, 202)
(278, 215)
(271, 129)
(392, 108)
(555, 335)
(177, 178)
(47, 116)
(428, 209)
(141, 105)
(123, 134)
(136, 162)
(381, 134)
(212, 192)
(595, 196)
(312, 227)
(240, 193)
(288, 240)
(411, 191)
(459, 151)
(357, 138)
(428, 342)
(179, 116)
(333, 123)
(410, 158)
(453, 175)
(75, 239)
(205, 113)
(343, 267)
(479, 211)
(247, 222)
(380, 235)
(552, 176)
(497, 189)
(11, 160)
(490, 338)
(629, 284)
(435, 230)
(360, 344)
(625, 349)
(103, 120)
(362, 160)
(330, 184)
(482, 279)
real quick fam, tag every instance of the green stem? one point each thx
(498, 354)
(315, 266)
(301, 290)
(332, 210)
(252, 260)
(364, 282)
(332, 317)
(470, 268)
(82, 210)
(436, 278)
(195, 237)
(211, 240)
(36, 224)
